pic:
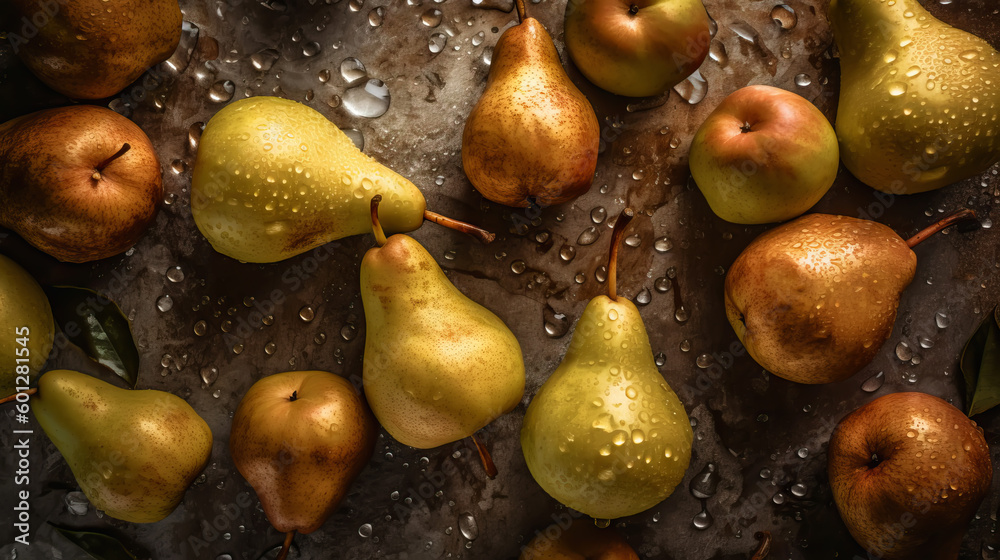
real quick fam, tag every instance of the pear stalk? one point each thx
(101, 166)
(616, 235)
(485, 457)
(376, 226)
(286, 545)
(961, 215)
(458, 225)
(521, 15)
(765, 545)
(29, 392)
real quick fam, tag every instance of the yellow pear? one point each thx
(438, 366)
(606, 435)
(918, 98)
(28, 329)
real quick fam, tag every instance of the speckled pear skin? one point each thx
(532, 133)
(22, 304)
(92, 49)
(932, 471)
(814, 299)
(301, 456)
(606, 435)
(919, 99)
(133, 452)
(438, 366)
(274, 179)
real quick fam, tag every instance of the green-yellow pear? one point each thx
(92, 49)
(533, 136)
(605, 435)
(918, 98)
(274, 179)
(907, 472)
(814, 299)
(133, 453)
(438, 366)
(300, 438)
(28, 327)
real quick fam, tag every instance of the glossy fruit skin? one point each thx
(606, 435)
(26, 316)
(92, 49)
(918, 97)
(640, 54)
(533, 134)
(814, 299)
(764, 155)
(133, 452)
(438, 366)
(932, 471)
(301, 454)
(275, 178)
(49, 196)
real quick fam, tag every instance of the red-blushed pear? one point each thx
(300, 438)
(579, 540)
(81, 183)
(764, 155)
(908, 471)
(637, 47)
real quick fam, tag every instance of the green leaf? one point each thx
(980, 366)
(98, 326)
(97, 545)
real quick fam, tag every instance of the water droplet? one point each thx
(351, 69)
(178, 166)
(556, 325)
(803, 452)
(717, 52)
(165, 303)
(643, 297)
(803, 80)
(478, 39)
(76, 503)
(221, 91)
(662, 245)
(798, 490)
(681, 315)
(705, 483)
(784, 16)
(778, 499)
(942, 320)
(685, 345)
(263, 61)
(903, 351)
(702, 520)
(237, 348)
(602, 523)
(348, 332)
(467, 526)
(431, 18)
(269, 348)
(873, 383)
(597, 215)
(365, 530)
(897, 88)
(370, 100)
(567, 253)
(660, 359)
(175, 274)
(633, 241)
(588, 236)
(437, 42)
(518, 266)
(208, 376)
(693, 89)
(307, 314)
(376, 16)
(200, 328)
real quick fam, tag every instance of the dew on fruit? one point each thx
(370, 100)
(165, 303)
(693, 89)
(784, 16)
(588, 236)
(352, 70)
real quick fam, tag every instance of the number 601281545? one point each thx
(23, 354)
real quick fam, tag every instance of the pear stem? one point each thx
(521, 16)
(29, 392)
(765, 545)
(458, 225)
(485, 457)
(616, 235)
(100, 166)
(961, 215)
(376, 226)
(286, 546)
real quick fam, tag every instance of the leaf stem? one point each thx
(961, 215)
(458, 225)
(101, 166)
(520, 11)
(286, 545)
(485, 457)
(616, 235)
(29, 392)
(765, 545)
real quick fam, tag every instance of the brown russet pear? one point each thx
(28, 328)
(918, 97)
(81, 183)
(606, 435)
(438, 366)
(133, 452)
(814, 299)
(907, 472)
(533, 136)
(300, 438)
(92, 49)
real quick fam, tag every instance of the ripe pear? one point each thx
(533, 136)
(300, 438)
(133, 453)
(81, 183)
(438, 366)
(814, 299)
(28, 327)
(92, 49)
(581, 540)
(908, 471)
(918, 98)
(605, 435)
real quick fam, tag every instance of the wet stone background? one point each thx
(400, 76)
